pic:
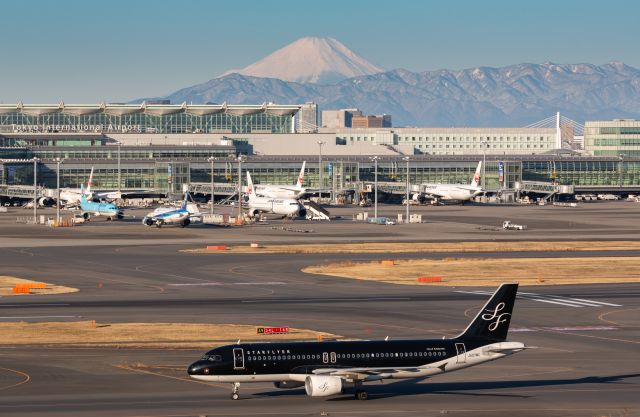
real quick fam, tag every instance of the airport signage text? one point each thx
(44, 128)
(272, 330)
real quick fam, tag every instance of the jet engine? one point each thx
(46, 202)
(147, 221)
(322, 385)
(288, 384)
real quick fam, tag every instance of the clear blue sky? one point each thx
(117, 50)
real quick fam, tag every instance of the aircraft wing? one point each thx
(366, 374)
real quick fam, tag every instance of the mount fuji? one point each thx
(311, 60)
(324, 71)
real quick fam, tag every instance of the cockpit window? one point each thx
(212, 358)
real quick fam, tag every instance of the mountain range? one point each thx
(515, 95)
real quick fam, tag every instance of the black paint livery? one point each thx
(328, 368)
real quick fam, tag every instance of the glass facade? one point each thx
(168, 168)
(613, 138)
(148, 119)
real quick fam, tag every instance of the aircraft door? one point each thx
(461, 353)
(325, 357)
(238, 358)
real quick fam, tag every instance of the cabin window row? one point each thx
(384, 355)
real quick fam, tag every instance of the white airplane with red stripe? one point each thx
(283, 191)
(455, 192)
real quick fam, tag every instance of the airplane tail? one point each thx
(83, 194)
(476, 177)
(492, 321)
(301, 176)
(250, 190)
(184, 202)
(90, 182)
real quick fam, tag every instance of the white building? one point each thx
(455, 141)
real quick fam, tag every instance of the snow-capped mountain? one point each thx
(311, 60)
(516, 95)
(325, 71)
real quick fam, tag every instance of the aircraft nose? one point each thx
(199, 368)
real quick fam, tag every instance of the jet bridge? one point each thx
(547, 189)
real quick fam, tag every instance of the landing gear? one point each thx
(361, 395)
(159, 224)
(235, 395)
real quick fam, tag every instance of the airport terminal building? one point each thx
(163, 147)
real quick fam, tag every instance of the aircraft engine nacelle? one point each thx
(287, 384)
(147, 221)
(254, 213)
(46, 202)
(322, 385)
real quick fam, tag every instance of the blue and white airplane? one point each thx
(169, 215)
(91, 208)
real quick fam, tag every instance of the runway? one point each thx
(585, 363)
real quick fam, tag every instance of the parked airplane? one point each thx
(91, 208)
(283, 191)
(287, 207)
(455, 192)
(326, 368)
(72, 196)
(170, 215)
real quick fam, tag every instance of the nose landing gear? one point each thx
(235, 395)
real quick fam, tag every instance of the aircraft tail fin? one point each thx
(250, 190)
(185, 201)
(83, 194)
(301, 175)
(492, 321)
(476, 177)
(90, 182)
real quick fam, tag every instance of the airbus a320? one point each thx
(329, 368)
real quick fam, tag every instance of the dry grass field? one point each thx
(489, 271)
(136, 335)
(7, 283)
(430, 247)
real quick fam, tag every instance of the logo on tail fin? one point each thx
(301, 175)
(476, 177)
(250, 190)
(494, 315)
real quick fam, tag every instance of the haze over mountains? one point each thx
(324, 71)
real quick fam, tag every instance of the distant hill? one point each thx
(514, 95)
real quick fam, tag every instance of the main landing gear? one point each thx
(235, 395)
(361, 395)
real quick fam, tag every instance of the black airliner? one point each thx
(328, 368)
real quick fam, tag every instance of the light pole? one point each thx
(241, 158)
(35, 190)
(621, 156)
(375, 186)
(485, 145)
(58, 162)
(407, 159)
(119, 170)
(213, 194)
(320, 184)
